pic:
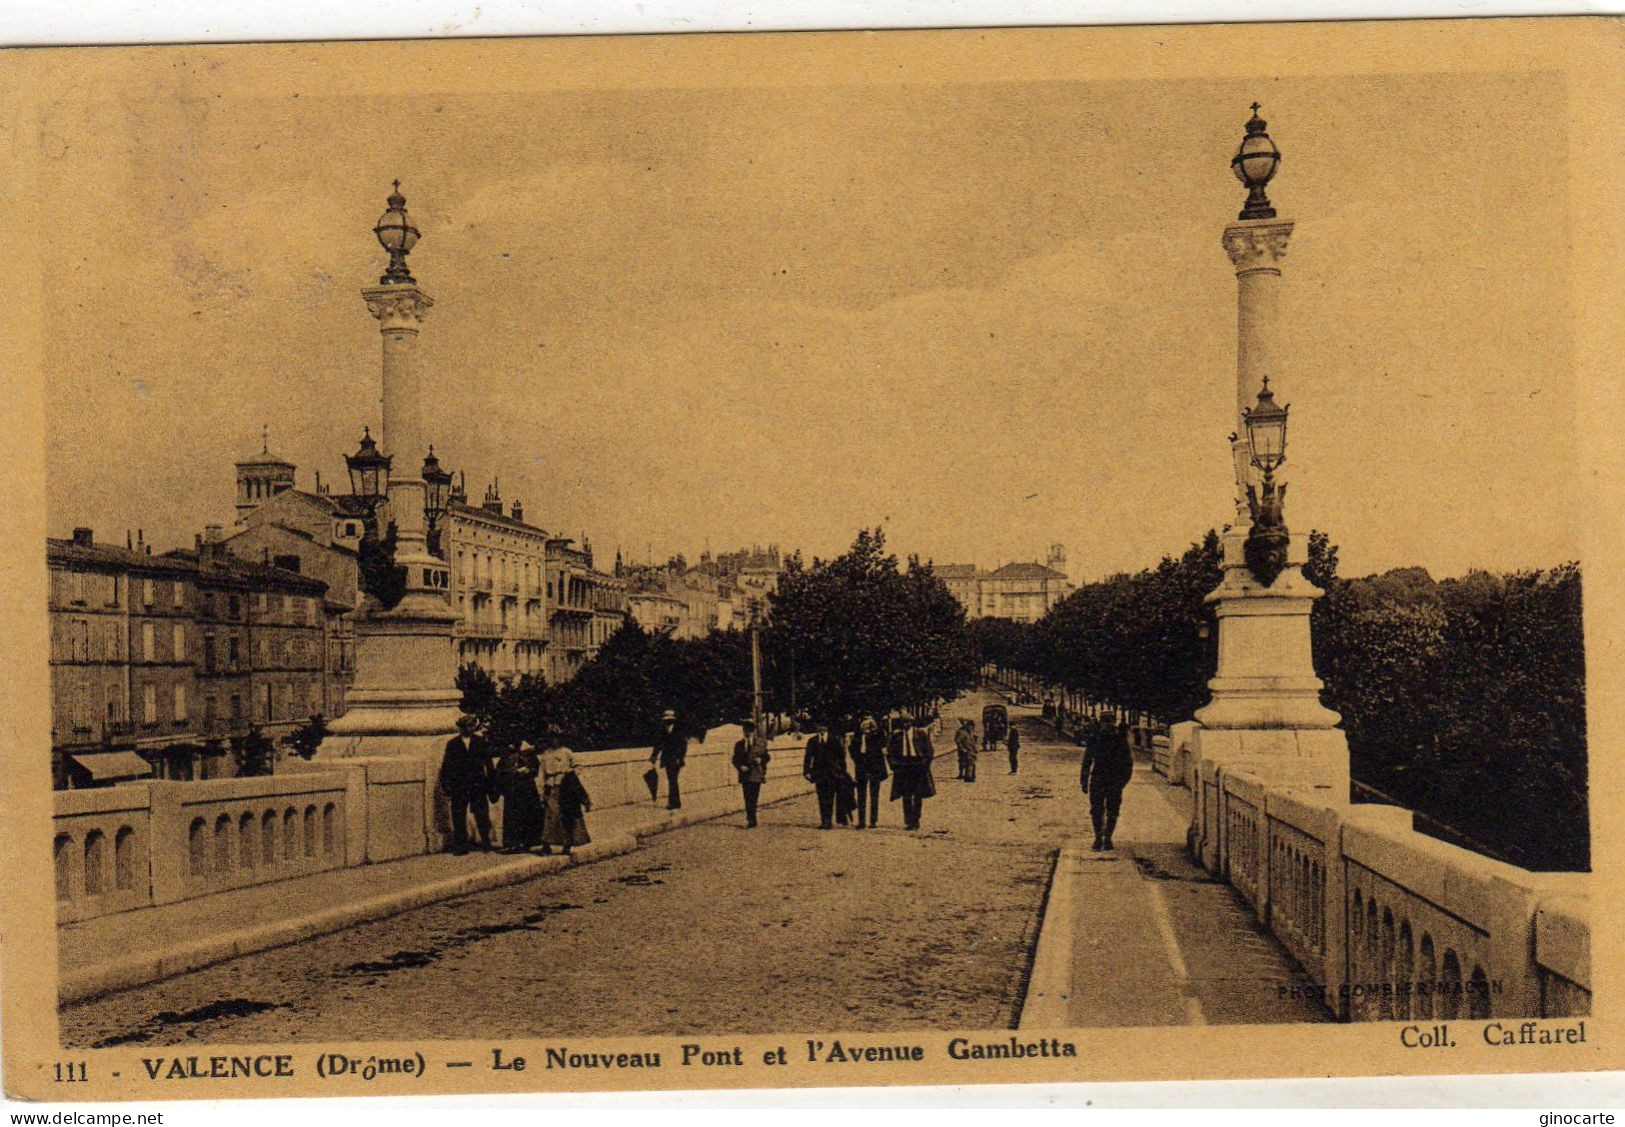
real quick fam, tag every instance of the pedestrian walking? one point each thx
(1108, 765)
(868, 752)
(670, 752)
(517, 773)
(910, 753)
(565, 801)
(965, 743)
(465, 776)
(823, 765)
(750, 761)
(1012, 744)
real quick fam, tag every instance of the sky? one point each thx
(987, 317)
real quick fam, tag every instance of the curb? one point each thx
(125, 974)
(1049, 983)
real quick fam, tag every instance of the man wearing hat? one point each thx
(670, 751)
(868, 753)
(750, 760)
(824, 766)
(466, 777)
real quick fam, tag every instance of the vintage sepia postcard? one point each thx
(843, 559)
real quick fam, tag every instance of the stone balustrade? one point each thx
(1391, 923)
(133, 846)
(154, 843)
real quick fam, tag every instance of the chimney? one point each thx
(213, 533)
(84, 536)
(518, 510)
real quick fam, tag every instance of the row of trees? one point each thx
(858, 633)
(1462, 699)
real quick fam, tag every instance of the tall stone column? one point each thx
(400, 309)
(404, 701)
(1265, 710)
(1256, 248)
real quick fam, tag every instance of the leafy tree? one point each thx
(254, 750)
(865, 636)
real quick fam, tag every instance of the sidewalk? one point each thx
(1142, 936)
(115, 952)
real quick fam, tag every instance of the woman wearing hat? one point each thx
(564, 799)
(517, 772)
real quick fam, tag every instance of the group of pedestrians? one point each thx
(847, 767)
(965, 745)
(543, 801)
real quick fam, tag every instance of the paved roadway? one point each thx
(715, 928)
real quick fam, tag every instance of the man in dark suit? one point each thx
(671, 752)
(750, 761)
(910, 753)
(824, 765)
(1108, 765)
(467, 778)
(868, 753)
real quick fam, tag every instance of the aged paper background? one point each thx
(52, 97)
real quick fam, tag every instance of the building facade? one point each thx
(527, 604)
(1022, 592)
(498, 586)
(153, 657)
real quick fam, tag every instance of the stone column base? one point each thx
(1312, 760)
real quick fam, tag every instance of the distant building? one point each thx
(585, 607)
(718, 593)
(1023, 592)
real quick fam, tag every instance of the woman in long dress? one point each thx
(517, 774)
(564, 799)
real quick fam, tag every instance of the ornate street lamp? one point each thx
(436, 499)
(1266, 431)
(397, 235)
(1267, 540)
(369, 471)
(1254, 164)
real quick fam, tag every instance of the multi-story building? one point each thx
(719, 593)
(120, 677)
(155, 655)
(655, 611)
(499, 574)
(526, 603)
(1024, 592)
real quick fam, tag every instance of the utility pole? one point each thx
(756, 673)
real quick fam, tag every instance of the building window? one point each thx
(148, 649)
(236, 706)
(234, 607)
(149, 703)
(236, 650)
(269, 712)
(179, 638)
(179, 593)
(81, 640)
(208, 653)
(180, 703)
(146, 592)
